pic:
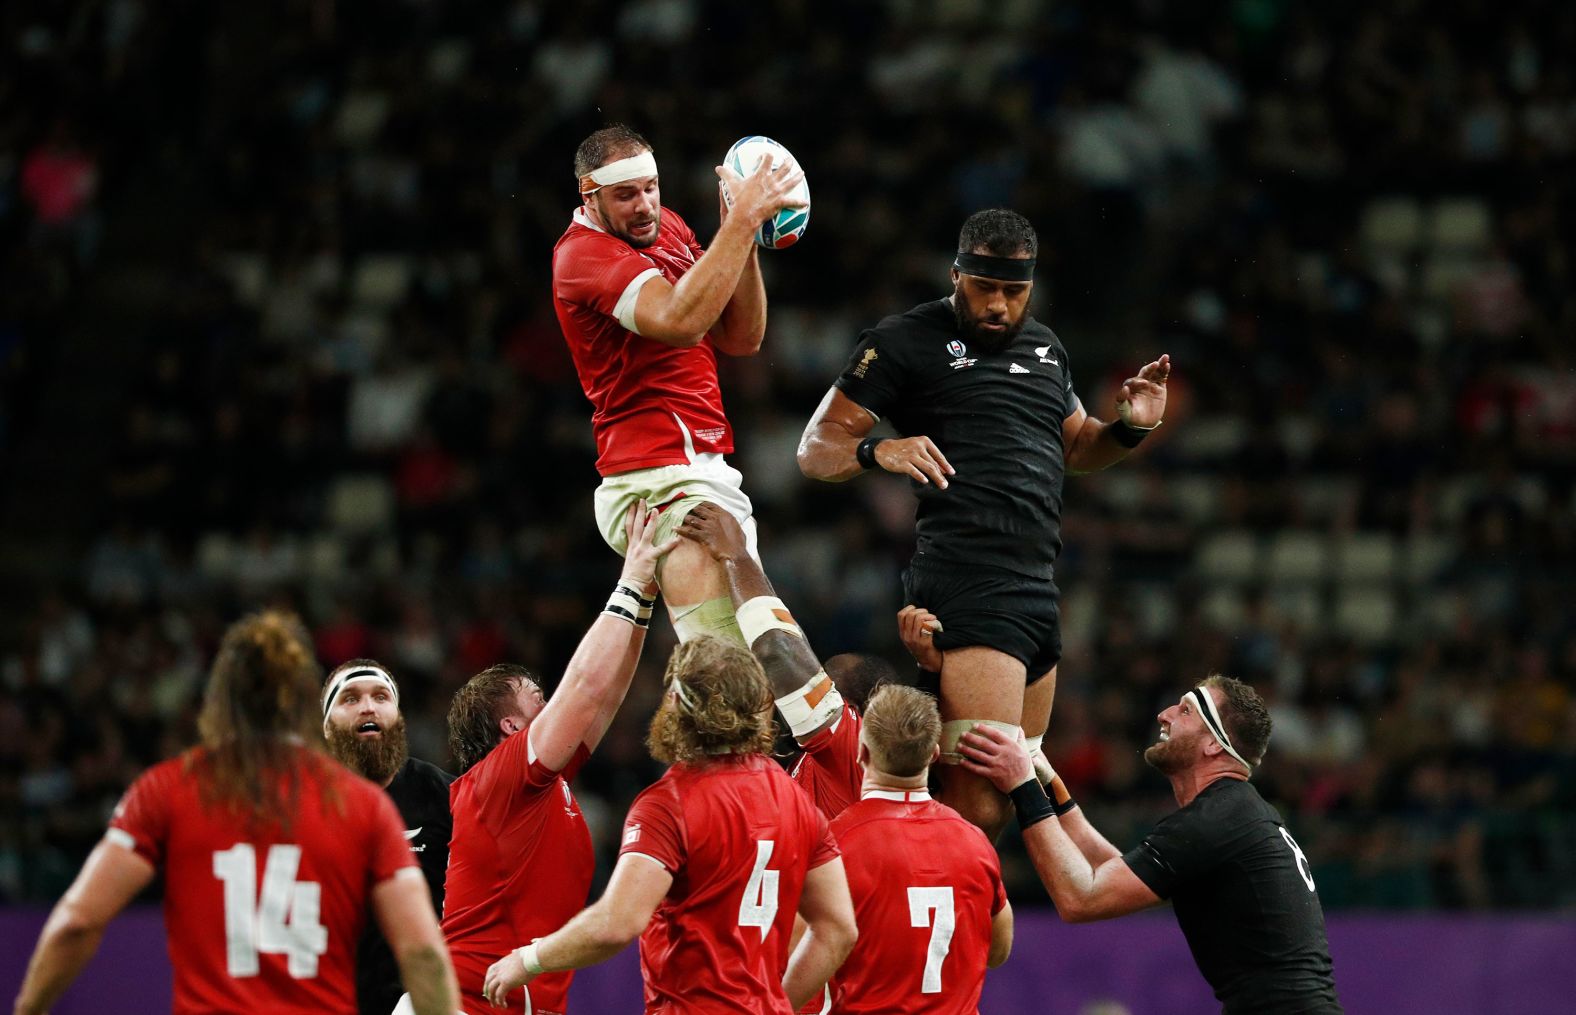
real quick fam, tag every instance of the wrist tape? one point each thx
(629, 603)
(808, 708)
(529, 959)
(1031, 804)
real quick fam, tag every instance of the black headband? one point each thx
(1006, 269)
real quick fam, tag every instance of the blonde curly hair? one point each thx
(719, 703)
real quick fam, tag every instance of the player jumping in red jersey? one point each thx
(272, 854)
(520, 859)
(926, 884)
(645, 310)
(718, 855)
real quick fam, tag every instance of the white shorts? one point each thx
(675, 489)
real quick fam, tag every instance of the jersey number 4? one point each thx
(932, 907)
(283, 921)
(758, 908)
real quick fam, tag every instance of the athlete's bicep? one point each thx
(840, 412)
(114, 875)
(637, 887)
(649, 312)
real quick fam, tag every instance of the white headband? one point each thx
(636, 167)
(1211, 717)
(357, 673)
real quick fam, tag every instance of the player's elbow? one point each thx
(840, 933)
(617, 929)
(73, 924)
(1074, 910)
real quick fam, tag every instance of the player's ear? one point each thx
(935, 753)
(955, 277)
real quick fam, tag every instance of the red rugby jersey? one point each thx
(653, 404)
(520, 865)
(260, 918)
(926, 884)
(829, 769)
(738, 837)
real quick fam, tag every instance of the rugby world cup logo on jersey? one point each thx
(959, 353)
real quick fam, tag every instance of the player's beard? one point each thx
(656, 217)
(1173, 755)
(971, 332)
(376, 758)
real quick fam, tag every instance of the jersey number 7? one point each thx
(285, 920)
(932, 907)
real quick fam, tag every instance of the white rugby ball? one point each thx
(783, 229)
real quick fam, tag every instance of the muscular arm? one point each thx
(1093, 846)
(111, 878)
(1082, 887)
(599, 673)
(403, 909)
(602, 929)
(1082, 890)
(827, 451)
(1090, 444)
(829, 936)
(681, 315)
(742, 326)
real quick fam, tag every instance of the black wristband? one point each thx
(1129, 436)
(1031, 803)
(1061, 809)
(865, 454)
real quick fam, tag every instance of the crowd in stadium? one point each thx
(358, 404)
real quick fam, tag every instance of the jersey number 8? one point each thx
(758, 908)
(284, 921)
(1302, 858)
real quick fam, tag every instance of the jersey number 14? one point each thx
(284, 920)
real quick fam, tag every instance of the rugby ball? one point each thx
(783, 229)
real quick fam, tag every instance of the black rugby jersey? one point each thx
(1244, 897)
(998, 419)
(421, 792)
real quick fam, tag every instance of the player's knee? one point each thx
(713, 616)
(952, 731)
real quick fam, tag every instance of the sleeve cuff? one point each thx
(624, 309)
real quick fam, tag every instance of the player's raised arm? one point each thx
(801, 689)
(682, 314)
(599, 673)
(111, 878)
(830, 933)
(1094, 444)
(1083, 890)
(837, 446)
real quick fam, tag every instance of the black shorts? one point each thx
(988, 606)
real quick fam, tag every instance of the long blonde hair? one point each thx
(259, 720)
(719, 704)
